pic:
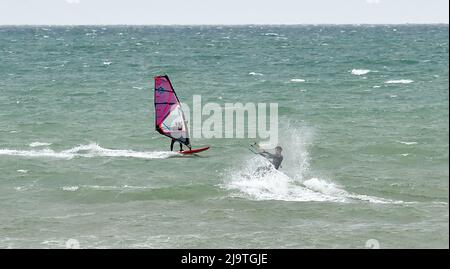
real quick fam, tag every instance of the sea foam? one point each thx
(292, 183)
(88, 151)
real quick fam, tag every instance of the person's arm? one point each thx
(266, 154)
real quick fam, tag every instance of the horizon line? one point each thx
(244, 24)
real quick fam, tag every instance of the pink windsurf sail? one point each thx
(169, 117)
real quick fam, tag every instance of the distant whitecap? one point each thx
(70, 188)
(359, 72)
(408, 143)
(399, 81)
(39, 144)
(255, 74)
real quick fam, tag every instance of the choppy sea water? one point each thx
(363, 120)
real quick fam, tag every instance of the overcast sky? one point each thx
(222, 11)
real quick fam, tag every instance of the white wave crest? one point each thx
(47, 153)
(88, 151)
(255, 74)
(408, 143)
(335, 190)
(359, 72)
(297, 80)
(399, 81)
(70, 188)
(39, 144)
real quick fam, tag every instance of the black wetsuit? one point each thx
(181, 145)
(275, 160)
(173, 142)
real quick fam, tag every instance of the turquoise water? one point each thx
(363, 120)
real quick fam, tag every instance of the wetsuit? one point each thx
(181, 145)
(173, 142)
(275, 159)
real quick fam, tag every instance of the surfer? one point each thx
(276, 158)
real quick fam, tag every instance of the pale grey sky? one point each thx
(223, 11)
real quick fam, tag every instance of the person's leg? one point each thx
(181, 146)
(171, 144)
(188, 143)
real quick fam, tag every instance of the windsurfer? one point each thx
(173, 142)
(181, 144)
(179, 127)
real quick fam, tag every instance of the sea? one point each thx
(363, 118)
